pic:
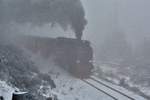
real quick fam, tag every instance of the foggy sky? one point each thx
(133, 18)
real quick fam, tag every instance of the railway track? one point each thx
(107, 90)
(113, 97)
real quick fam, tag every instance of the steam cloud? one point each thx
(38, 12)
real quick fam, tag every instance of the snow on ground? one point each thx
(6, 90)
(145, 90)
(68, 87)
(71, 88)
(111, 72)
(109, 91)
(121, 89)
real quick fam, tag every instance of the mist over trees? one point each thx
(142, 55)
(115, 48)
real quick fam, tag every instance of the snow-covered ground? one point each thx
(6, 90)
(119, 89)
(17, 70)
(115, 73)
(68, 87)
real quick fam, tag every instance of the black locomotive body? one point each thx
(73, 55)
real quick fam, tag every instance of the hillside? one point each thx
(20, 73)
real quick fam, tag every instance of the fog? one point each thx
(106, 17)
(117, 31)
(133, 16)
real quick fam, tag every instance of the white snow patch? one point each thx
(6, 90)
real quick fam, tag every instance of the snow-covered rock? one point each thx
(19, 71)
(6, 90)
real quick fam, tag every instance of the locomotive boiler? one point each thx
(73, 55)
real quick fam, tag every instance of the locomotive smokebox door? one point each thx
(20, 96)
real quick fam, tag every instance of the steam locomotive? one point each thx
(73, 55)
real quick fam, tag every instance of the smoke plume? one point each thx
(39, 12)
